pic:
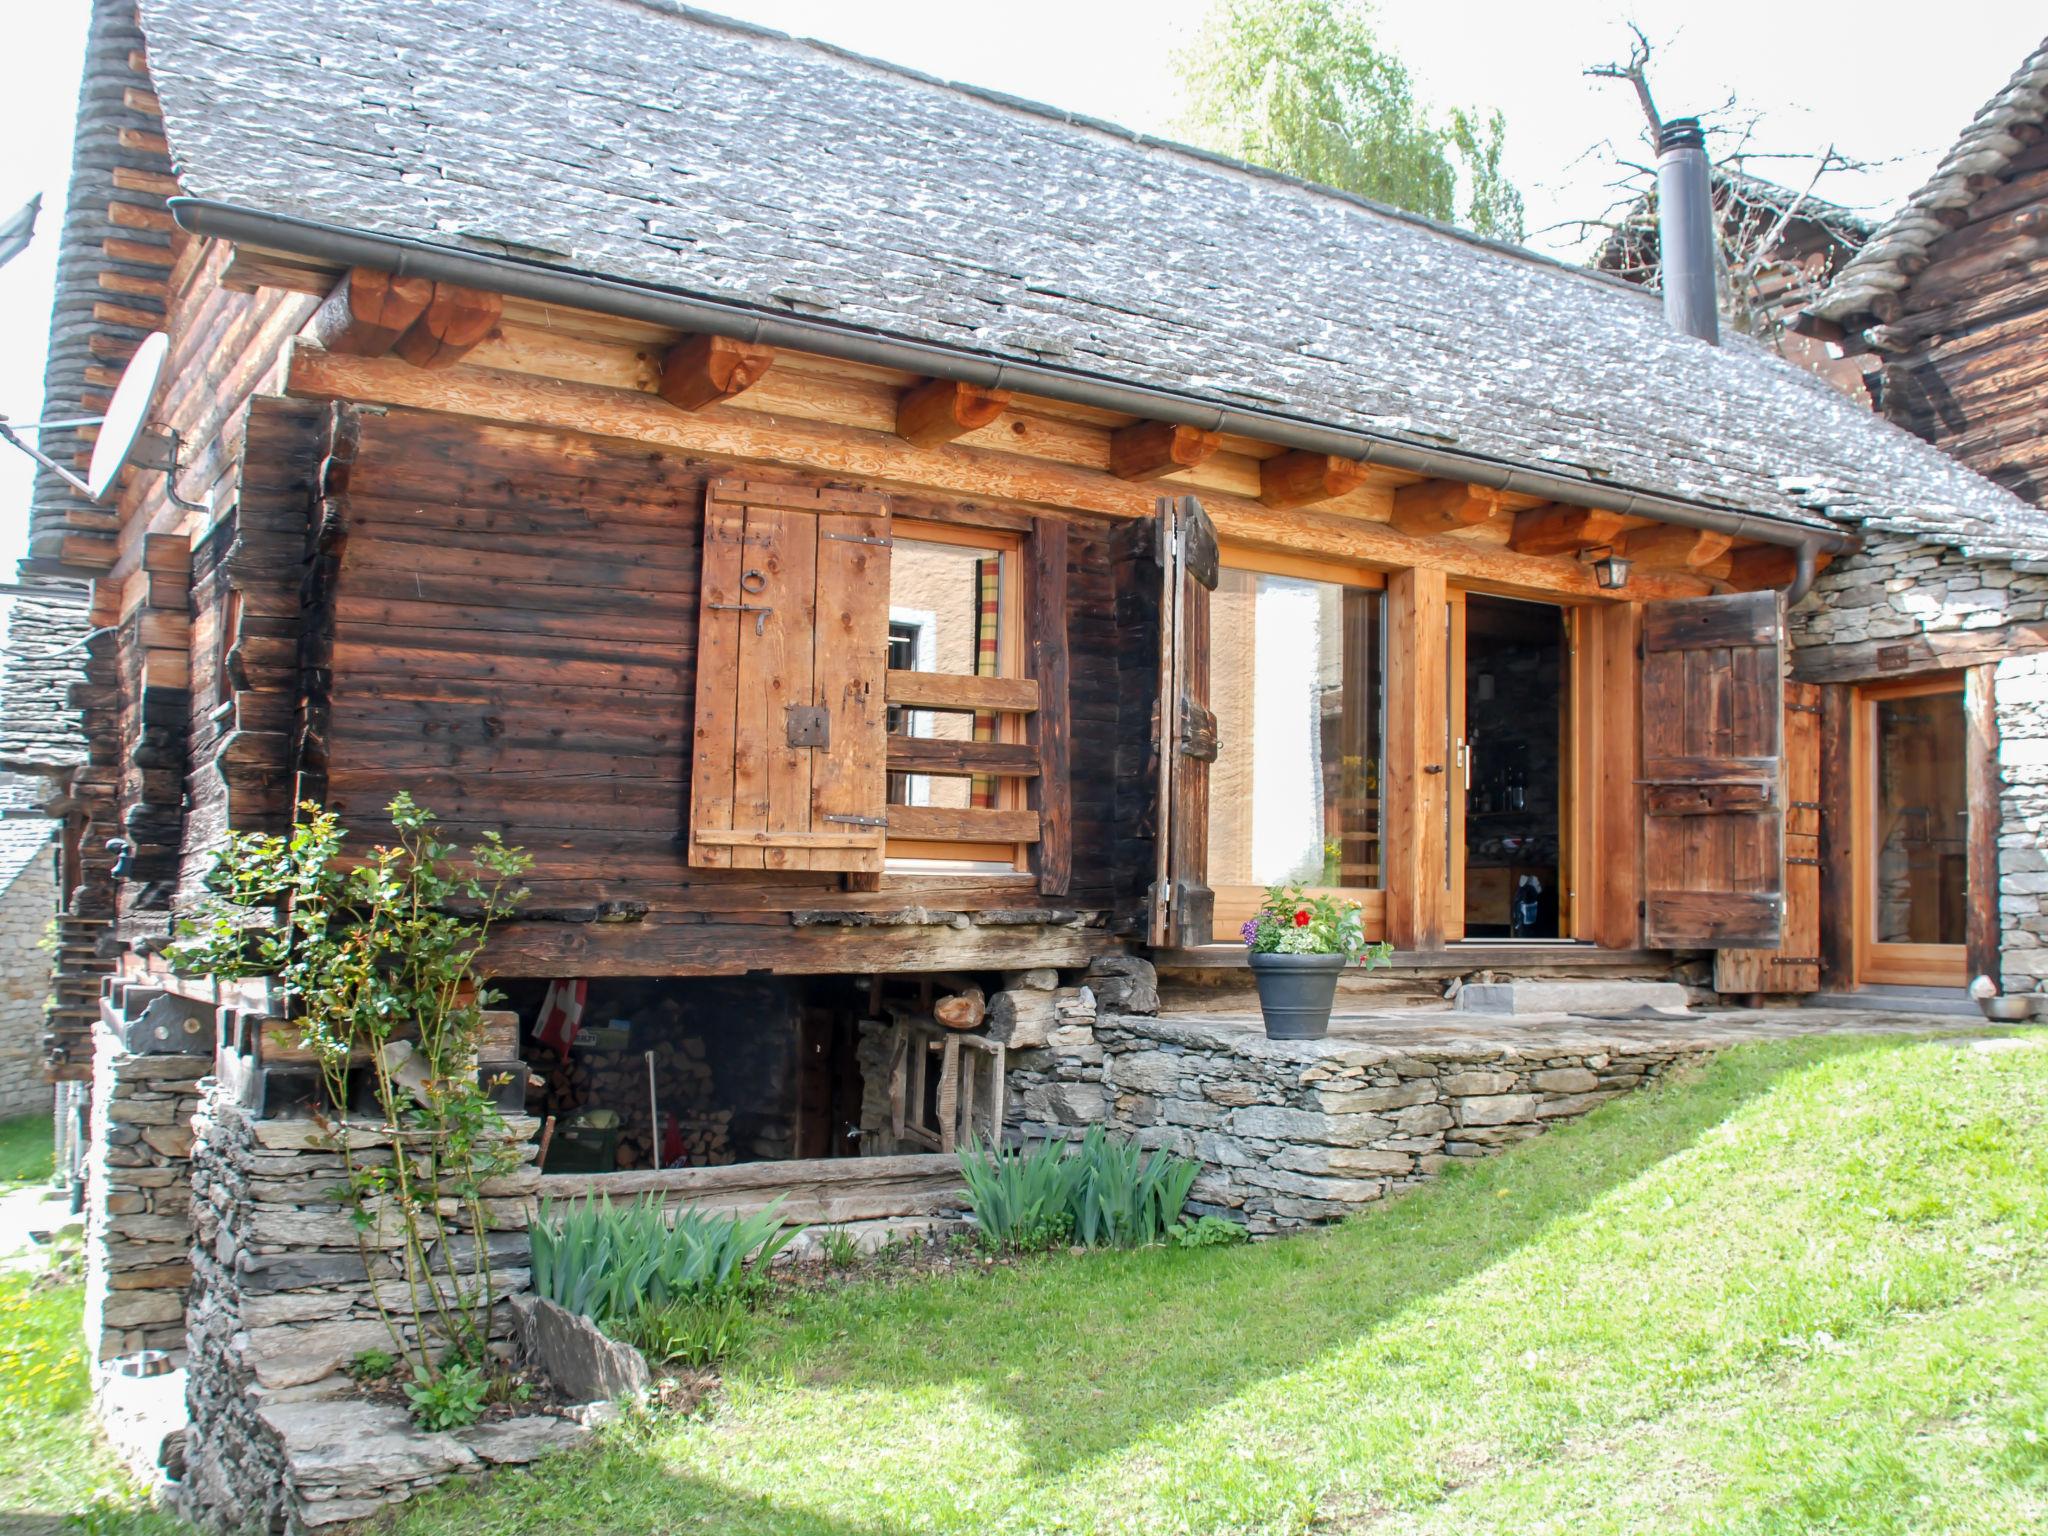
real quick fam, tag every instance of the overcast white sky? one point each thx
(1818, 74)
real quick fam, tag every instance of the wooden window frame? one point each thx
(1011, 655)
(1913, 965)
(1236, 903)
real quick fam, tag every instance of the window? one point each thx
(1296, 686)
(952, 610)
(1923, 820)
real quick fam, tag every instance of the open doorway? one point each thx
(1511, 671)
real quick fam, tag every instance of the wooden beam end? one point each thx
(706, 370)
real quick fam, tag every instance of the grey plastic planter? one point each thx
(1296, 993)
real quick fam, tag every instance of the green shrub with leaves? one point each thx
(610, 1262)
(1207, 1232)
(1105, 1192)
(449, 1399)
(375, 958)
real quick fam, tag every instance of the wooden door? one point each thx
(1910, 853)
(1794, 966)
(788, 763)
(1183, 906)
(1459, 756)
(1712, 707)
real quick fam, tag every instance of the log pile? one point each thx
(617, 1080)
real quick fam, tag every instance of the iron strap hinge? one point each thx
(856, 821)
(858, 538)
(1803, 805)
(1793, 859)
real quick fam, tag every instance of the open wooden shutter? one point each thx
(1183, 906)
(788, 767)
(1794, 966)
(1713, 868)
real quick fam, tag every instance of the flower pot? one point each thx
(1296, 993)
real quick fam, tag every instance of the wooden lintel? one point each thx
(1438, 506)
(1301, 479)
(704, 370)
(451, 325)
(1145, 450)
(1671, 547)
(1557, 530)
(939, 410)
(368, 311)
(1756, 566)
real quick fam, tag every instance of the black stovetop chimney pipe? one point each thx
(1685, 230)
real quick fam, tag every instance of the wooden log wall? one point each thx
(502, 622)
(1964, 367)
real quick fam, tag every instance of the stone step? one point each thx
(1945, 1001)
(1588, 996)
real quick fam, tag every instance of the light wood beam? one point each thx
(1146, 450)
(1301, 479)
(454, 321)
(1438, 506)
(1753, 567)
(368, 311)
(706, 370)
(939, 410)
(1668, 546)
(1419, 766)
(1556, 530)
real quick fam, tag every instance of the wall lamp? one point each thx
(1610, 571)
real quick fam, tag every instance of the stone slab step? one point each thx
(1948, 1002)
(1588, 996)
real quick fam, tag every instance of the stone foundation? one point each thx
(138, 1223)
(282, 1302)
(1292, 1133)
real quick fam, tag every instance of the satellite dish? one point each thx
(127, 415)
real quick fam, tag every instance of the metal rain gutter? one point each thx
(635, 301)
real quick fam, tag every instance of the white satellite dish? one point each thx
(127, 415)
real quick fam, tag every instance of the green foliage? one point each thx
(1290, 921)
(1207, 1232)
(376, 959)
(1304, 86)
(1103, 1193)
(452, 1398)
(695, 1331)
(26, 1150)
(609, 1262)
(373, 1365)
(837, 1247)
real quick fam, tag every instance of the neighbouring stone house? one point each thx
(28, 913)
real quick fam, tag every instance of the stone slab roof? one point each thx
(1900, 248)
(636, 140)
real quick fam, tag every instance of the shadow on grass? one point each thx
(1084, 1355)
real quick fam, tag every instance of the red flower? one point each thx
(1301, 917)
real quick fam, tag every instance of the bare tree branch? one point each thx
(1637, 73)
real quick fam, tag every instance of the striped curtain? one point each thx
(988, 582)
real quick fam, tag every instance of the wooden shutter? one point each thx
(788, 767)
(1794, 966)
(1183, 906)
(1712, 705)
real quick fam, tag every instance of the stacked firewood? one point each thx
(617, 1080)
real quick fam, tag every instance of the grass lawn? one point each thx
(1804, 1291)
(26, 1150)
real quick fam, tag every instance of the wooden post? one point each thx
(1617, 852)
(1838, 900)
(1418, 757)
(1985, 790)
(1052, 791)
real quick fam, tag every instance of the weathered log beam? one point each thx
(705, 370)
(1439, 506)
(1146, 450)
(1302, 479)
(368, 311)
(1557, 530)
(454, 321)
(1668, 546)
(939, 410)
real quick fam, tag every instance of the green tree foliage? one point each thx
(1304, 86)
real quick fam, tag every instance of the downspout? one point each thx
(551, 285)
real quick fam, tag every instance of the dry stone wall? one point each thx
(2020, 690)
(282, 1301)
(138, 1228)
(26, 909)
(1897, 587)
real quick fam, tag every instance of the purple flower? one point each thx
(1250, 930)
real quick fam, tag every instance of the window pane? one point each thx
(943, 617)
(1294, 793)
(1923, 820)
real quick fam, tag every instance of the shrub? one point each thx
(609, 1262)
(1207, 1232)
(1105, 1192)
(451, 1399)
(838, 1248)
(693, 1331)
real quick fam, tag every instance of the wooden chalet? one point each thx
(866, 536)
